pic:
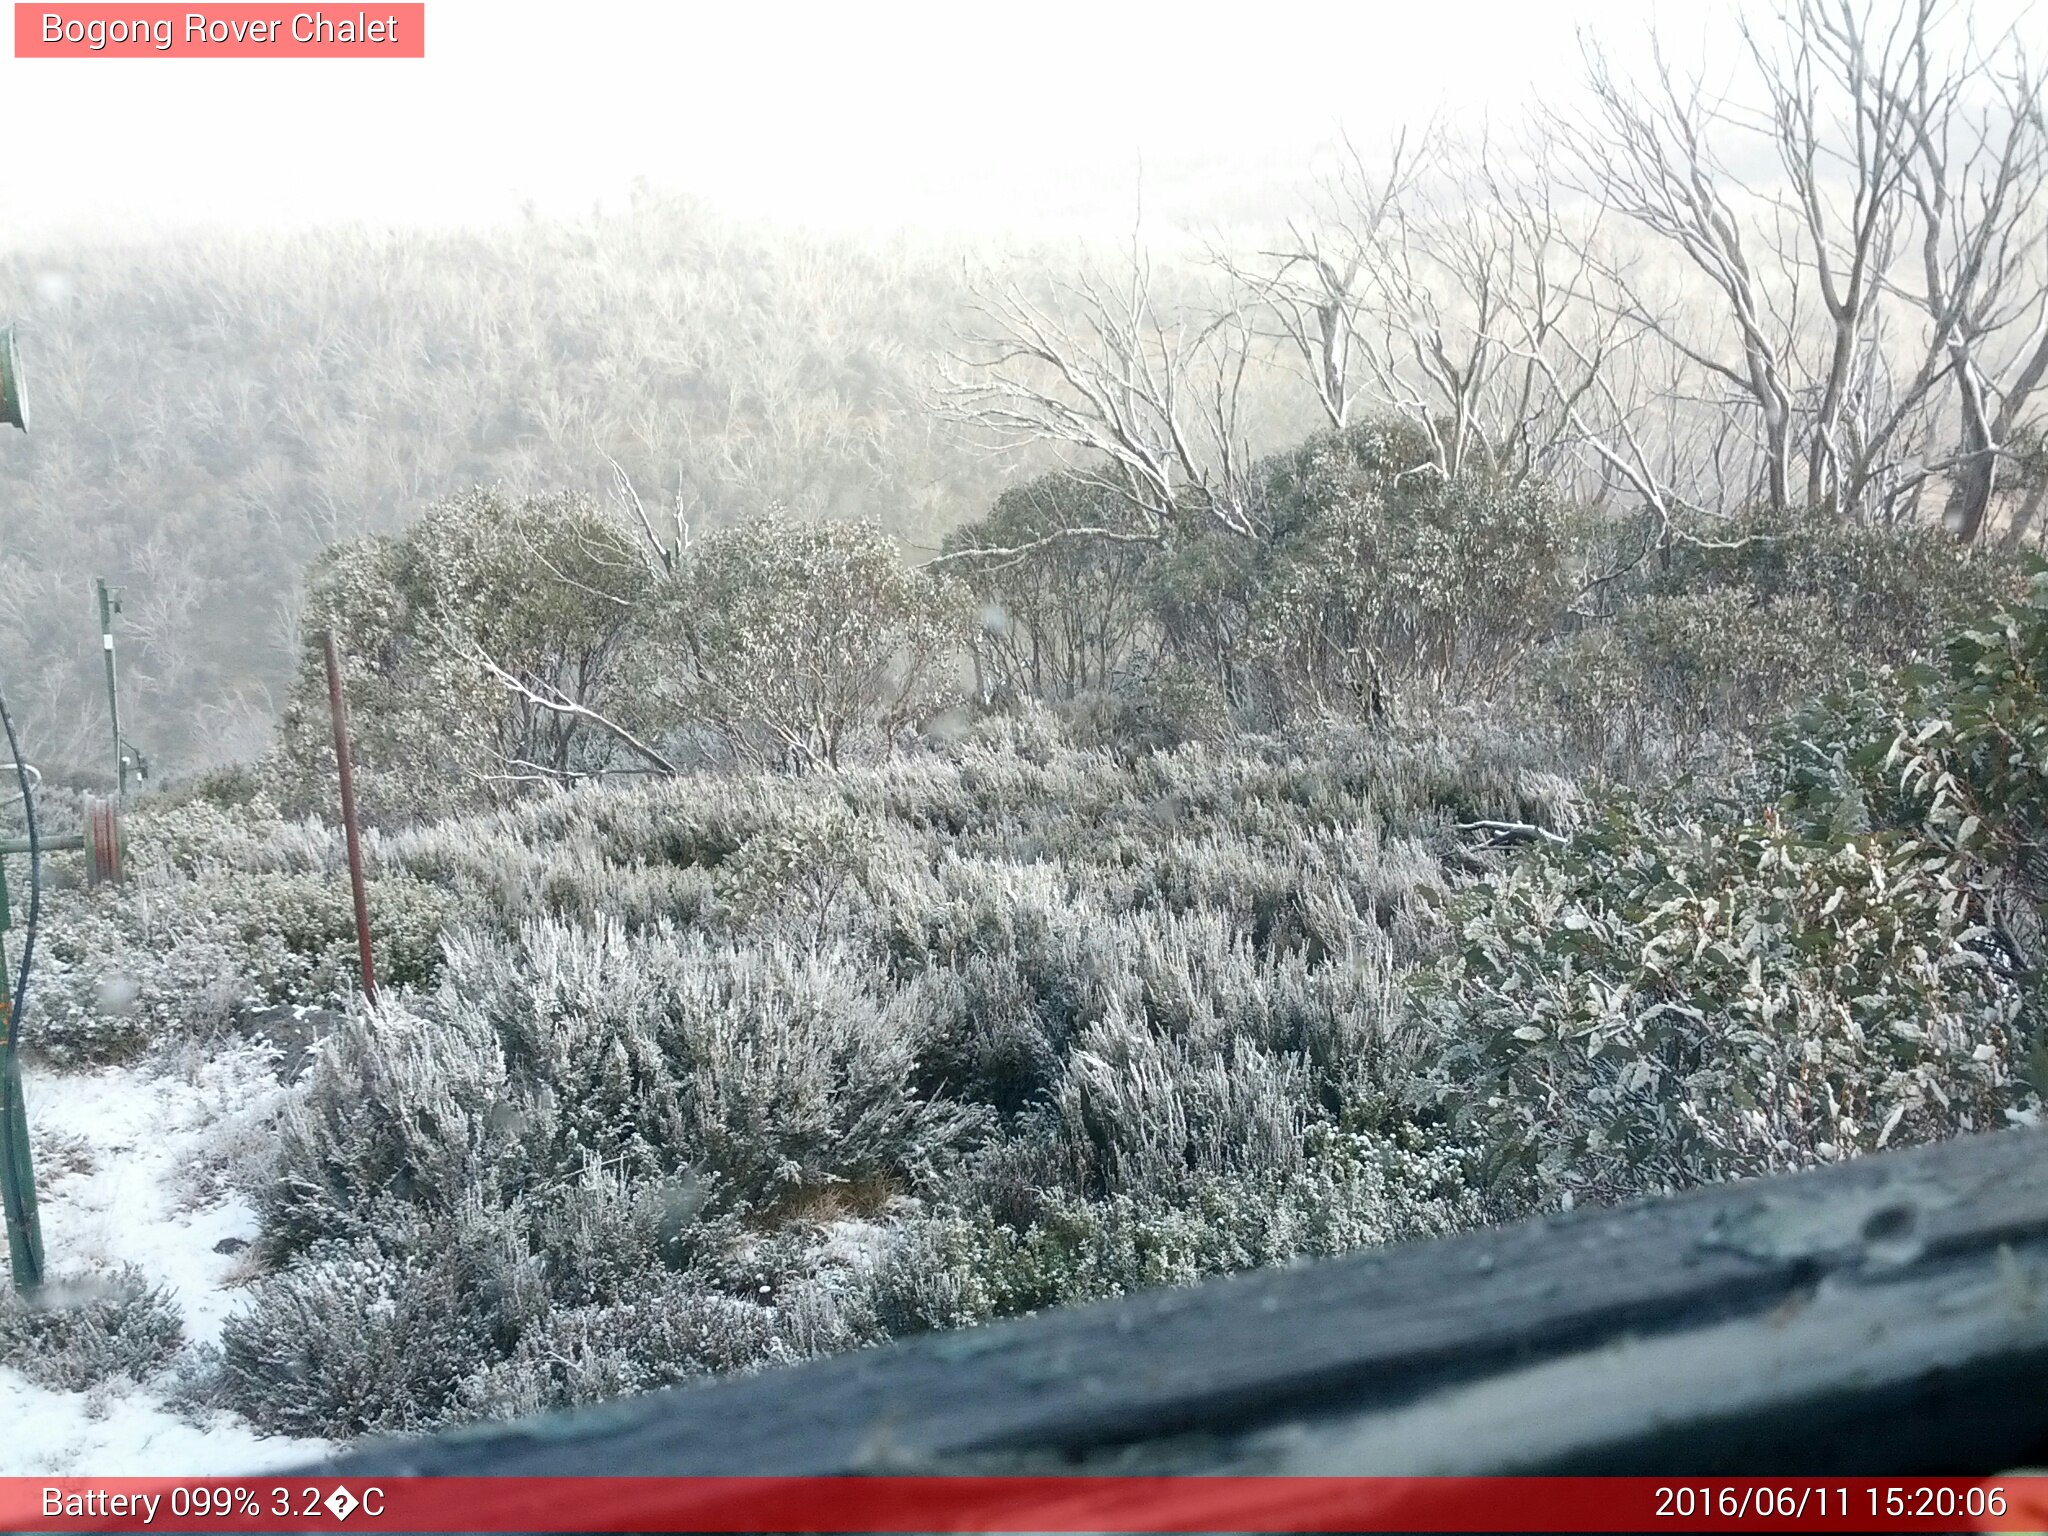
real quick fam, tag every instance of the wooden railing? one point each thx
(1883, 1316)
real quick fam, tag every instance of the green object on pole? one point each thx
(110, 604)
(13, 407)
(17, 1165)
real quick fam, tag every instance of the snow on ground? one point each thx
(135, 1164)
(81, 1434)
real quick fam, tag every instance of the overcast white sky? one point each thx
(954, 115)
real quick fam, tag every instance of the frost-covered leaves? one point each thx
(1748, 985)
(721, 1069)
(82, 1331)
(1672, 1003)
(224, 910)
(805, 645)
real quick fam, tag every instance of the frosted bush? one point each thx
(83, 1331)
(355, 1339)
(1349, 1190)
(401, 1113)
(728, 1071)
(218, 916)
(1150, 1113)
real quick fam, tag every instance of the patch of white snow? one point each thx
(134, 1165)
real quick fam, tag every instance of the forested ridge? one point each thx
(212, 411)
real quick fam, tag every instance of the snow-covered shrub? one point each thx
(771, 1069)
(1150, 1113)
(358, 1339)
(400, 1115)
(1169, 707)
(797, 877)
(82, 1331)
(225, 907)
(804, 1062)
(666, 1330)
(767, 1071)
(569, 1294)
(1349, 1190)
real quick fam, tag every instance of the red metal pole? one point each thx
(338, 707)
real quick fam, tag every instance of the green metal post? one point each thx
(17, 1168)
(110, 604)
(17, 1164)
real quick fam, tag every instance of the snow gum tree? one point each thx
(801, 645)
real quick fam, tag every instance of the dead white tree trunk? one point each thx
(1140, 396)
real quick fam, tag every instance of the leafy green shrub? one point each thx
(1672, 679)
(1063, 612)
(1172, 706)
(1893, 592)
(1845, 961)
(1954, 755)
(550, 591)
(1725, 636)
(806, 645)
(1672, 1001)
(1389, 581)
(798, 874)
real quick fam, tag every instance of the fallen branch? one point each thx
(1510, 834)
(559, 705)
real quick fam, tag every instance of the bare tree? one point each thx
(1652, 159)
(1859, 244)
(1315, 290)
(1140, 396)
(1423, 289)
(1974, 170)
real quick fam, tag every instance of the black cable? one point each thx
(20, 1200)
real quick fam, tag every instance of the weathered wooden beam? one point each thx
(1883, 1316)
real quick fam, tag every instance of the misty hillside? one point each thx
(211, 413)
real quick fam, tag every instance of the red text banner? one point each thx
(1137, 1504)
(224, 31)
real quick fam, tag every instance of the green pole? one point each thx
(17, 1165)
(17, 1170)
(110, 604)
